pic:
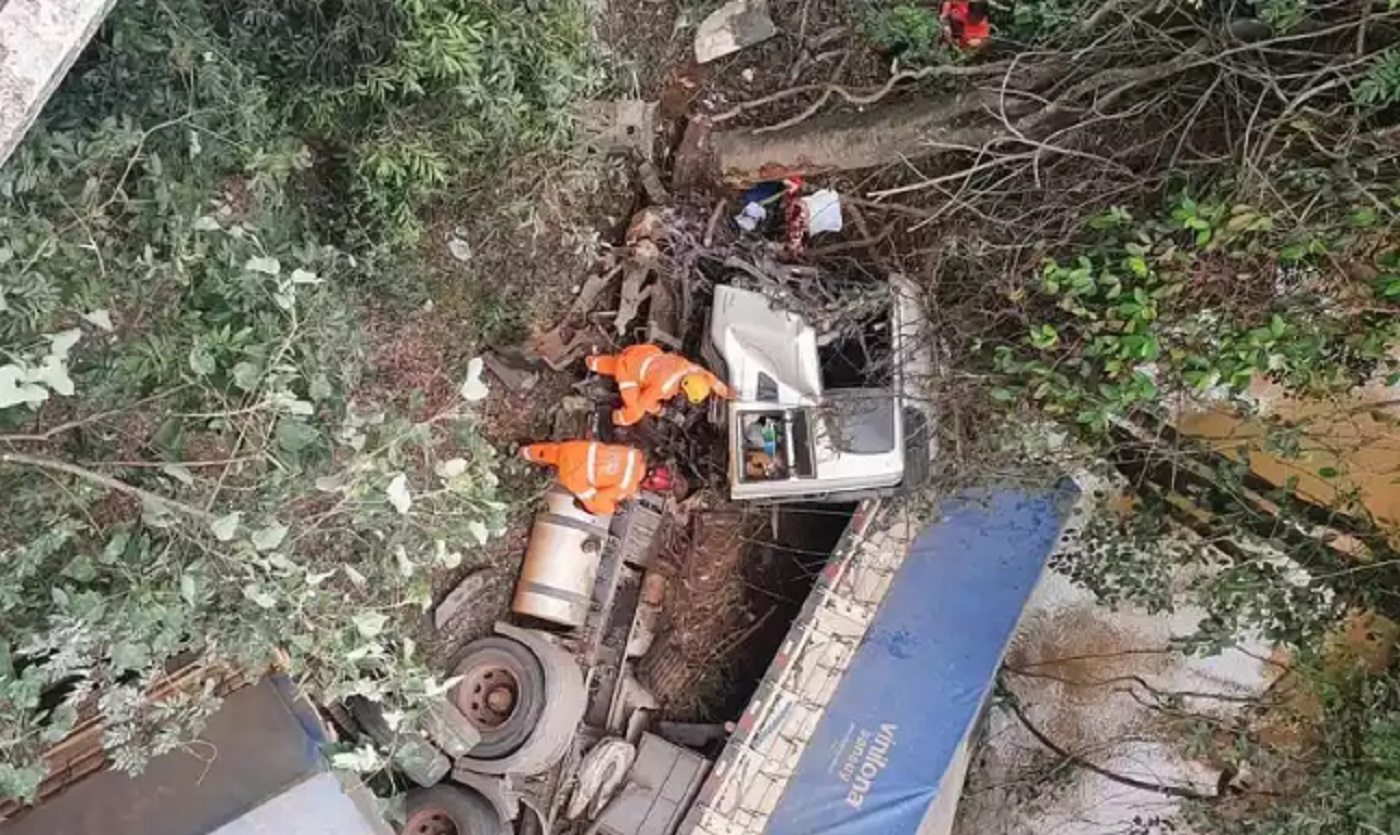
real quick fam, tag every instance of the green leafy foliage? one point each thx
(1281, 15)
(1351, 783)
(206, 468)
(409, 97)
(913, 33)
(1380, 86)
(1034, 20)
(1155, 306)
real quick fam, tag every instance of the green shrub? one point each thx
(192, 459)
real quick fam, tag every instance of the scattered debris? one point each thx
(450, 729)
(625, 125)
(571, 417)
(599, 776)
(823, 211)
(663, 319)
(639, 266)
(461, 600)
(637, 529)
(732, 27)
(651, 183)
(421, 762)
(751, 216)
(458, 247)
(661, 785)
(694, 735)
(513, 372)
(647, 224)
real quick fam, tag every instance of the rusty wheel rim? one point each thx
(488, 695)
(430, 822)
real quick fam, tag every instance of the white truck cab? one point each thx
(800, 430)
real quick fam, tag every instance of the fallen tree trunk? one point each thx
(837, 142)
(1121, 109)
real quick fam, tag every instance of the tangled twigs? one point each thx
(1070, 757)
(855, 97)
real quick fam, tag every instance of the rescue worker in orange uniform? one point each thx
(599, 475)
(648, 376)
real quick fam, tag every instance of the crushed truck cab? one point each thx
(799, 431)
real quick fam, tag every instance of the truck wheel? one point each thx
(449, 810)
(502, 694)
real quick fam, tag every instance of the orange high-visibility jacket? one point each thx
(600, 475)
(647, 376)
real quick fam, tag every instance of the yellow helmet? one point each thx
(696, 386)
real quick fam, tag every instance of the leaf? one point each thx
(100, 319)
(320, 388)
(300, 276)
(445, 558)
(474, 388)
(60, 597)
(202, 362)
(127, 655)
(206, 223)
(16, 390)
(265, 264)
(398, 494)
(270, 537)
(370, 624)
(21, 782)
(259, 596)
(179, 472)
(62, 342)
(245, 376)
(53, 372)
(478, 531)
(354, 576)
(225, 526)
(406, 567)
(451, 468)
(295, 436)
(1328, 472)
(362, 760)
(189, 592)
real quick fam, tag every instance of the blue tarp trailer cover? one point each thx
(919, 679)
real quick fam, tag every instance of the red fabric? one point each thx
(967, 23)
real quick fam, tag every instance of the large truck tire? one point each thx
(502, 694)
(555, 700)
(450, 810)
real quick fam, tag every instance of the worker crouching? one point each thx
(599, 475)
(647, 377)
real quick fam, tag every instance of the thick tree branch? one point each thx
(110, 483)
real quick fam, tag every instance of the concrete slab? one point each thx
(39, 41)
